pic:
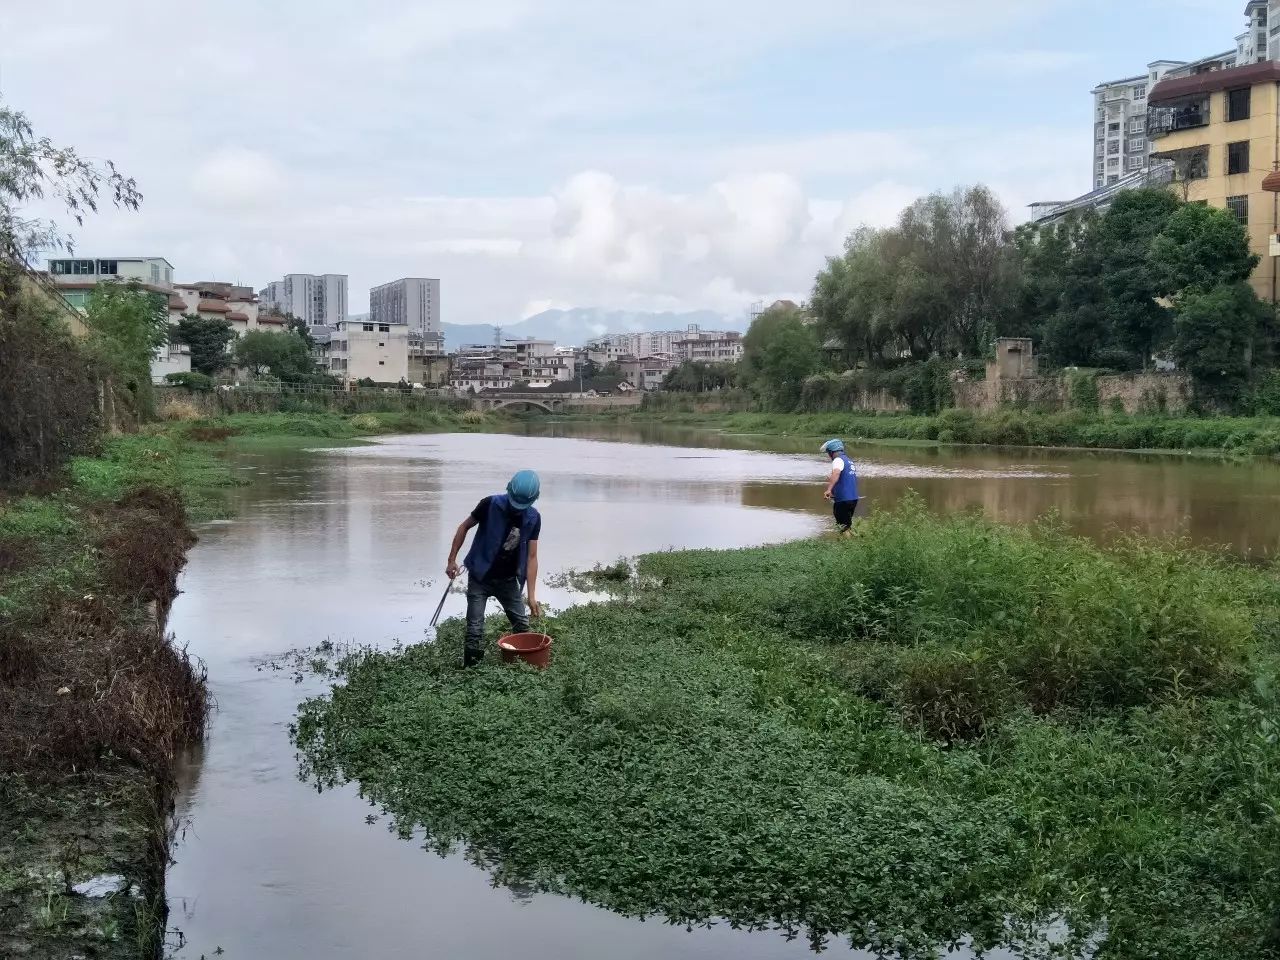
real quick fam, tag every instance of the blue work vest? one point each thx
(846, 487)
(487, 543)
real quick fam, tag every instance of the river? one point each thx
(349, 544)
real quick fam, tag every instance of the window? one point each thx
(1238, 207)
(1135, 125)
(381, 343)
(1137, 144)
(1238, 157)
(382, 363)
(1238, 104)
(1113, 179)
(72, 268)
(384, 328)
(368, 328)
(1140, 91)
(1113, 163)
(1113, 128)
(1113, 146)
(108, 268)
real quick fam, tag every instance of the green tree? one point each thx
(779, 352)
(283, 355)
(1215, 335)
(1201, 247)
(128, 324)
(208, 338)
(1131, 278)
(695, 376)
(31, 169)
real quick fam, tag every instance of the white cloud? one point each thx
(236, 176)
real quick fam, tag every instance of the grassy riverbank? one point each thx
(1245, 436)
(936, 729)
(94, 703)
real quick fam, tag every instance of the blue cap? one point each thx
(524, 489)
(833, 446)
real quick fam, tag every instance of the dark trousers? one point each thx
(506, 592)
(844, 510)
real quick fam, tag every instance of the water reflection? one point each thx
(349, 544)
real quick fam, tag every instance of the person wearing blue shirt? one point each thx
(842, 484)
(502, 561)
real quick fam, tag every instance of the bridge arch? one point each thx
(540, 405)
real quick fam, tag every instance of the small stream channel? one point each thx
(349, 544)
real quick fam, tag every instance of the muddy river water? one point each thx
(349, 544)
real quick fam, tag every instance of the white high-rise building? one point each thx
(413, 301)
(317, 300)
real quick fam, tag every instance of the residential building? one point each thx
(413, 301)
(711, 347)
(539, 362)
(317, 300)
(428, 363)
(237, 305)
(76, 278)
(364, 350)
(1219, 133)
(647, 373)
(613, 347)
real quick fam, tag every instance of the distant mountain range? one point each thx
(575, 327)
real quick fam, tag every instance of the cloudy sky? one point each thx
(665, 154)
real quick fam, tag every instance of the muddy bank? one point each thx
(95, 702)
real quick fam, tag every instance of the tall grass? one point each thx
(1252, 436)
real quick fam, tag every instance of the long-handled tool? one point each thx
(435, 619)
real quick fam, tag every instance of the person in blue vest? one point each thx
(503, 559)
(842, 484)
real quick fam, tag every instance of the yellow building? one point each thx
(1220, 130)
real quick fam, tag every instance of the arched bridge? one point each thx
(539, 401)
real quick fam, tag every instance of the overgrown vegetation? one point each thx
(937, 729)
(1238, 436)
(905, 307)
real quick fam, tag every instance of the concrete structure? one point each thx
(539, 362)
(413, 301)
(83, 274)
(226, 301)
(1219, 132)
(360, 350)
(428, 363)
(1015, 360)
(709, 347)
(647, 344)
(647, 373)
(317, 300)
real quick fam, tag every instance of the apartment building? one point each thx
(644, 344)
(319, 300)
(413, 301)
(719, 347)
(1218, 131)
(235, 304)
(539, 363)
(364, 350)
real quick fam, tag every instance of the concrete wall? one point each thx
(1136, 392)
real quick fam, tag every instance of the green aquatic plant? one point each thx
(940, 729)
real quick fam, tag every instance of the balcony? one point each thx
(1174, 118)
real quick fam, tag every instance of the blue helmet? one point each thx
(833, 446)
(524, 489)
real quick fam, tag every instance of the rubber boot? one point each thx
(472, 658)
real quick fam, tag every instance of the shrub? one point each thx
(179, 410)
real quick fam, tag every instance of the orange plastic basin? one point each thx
(533, 648)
